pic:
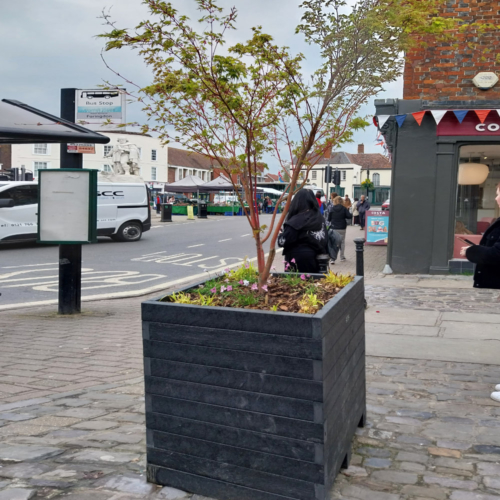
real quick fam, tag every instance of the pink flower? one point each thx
(302, 277)
(226, 270)
(308, 275)
(273, 268)
(264, 287)
(214, 290)
(254, 287)
(222, 289)
(240, 282)
(229, 288)
(227, 280)
(287, 266)
(247, 265)
(293, 261)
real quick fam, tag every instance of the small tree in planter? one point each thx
(236, 104)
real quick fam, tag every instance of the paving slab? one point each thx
(470, 330)
(470, 317)
(401, 316)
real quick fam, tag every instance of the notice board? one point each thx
(377, 227)
(67, 206)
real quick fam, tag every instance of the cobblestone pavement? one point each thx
(72, 415)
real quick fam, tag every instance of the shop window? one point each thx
(476, 207)
(376, 179)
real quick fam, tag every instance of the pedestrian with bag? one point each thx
(486, 256)
(355, 213)
(304, 234)
(337, 219)
(363, 206)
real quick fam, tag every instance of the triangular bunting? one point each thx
(461, 114)
(382, 119)
(400, 119)
(498, 111)
(482, 114)
(419, 116)
(438, 115)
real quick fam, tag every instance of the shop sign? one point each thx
(470, 126)
(377, 227)
(81, 148)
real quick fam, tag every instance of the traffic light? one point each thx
(336, 177)
(328, 174)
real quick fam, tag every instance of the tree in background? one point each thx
(236, 104)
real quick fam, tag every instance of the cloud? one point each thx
(51, 45)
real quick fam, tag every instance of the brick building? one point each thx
(444, 70)
(447, 124)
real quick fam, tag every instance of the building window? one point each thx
(39, 165)
(344, 175)
(107, 149)
(139, 150)
(376, 179)
(153, 155)
(153, 173)
(40, 149)
(314, 175)
(107, 168)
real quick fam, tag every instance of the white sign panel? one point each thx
(66, 206)
(98, 106)
(485, 80)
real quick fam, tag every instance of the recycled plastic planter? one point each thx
(253, 405)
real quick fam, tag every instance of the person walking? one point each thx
(348, 204)
(355, 213)
(486, 256)
(158, 203)
(363, 206)
(304, 234)
(337, 217)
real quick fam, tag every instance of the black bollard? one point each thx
(360, 266)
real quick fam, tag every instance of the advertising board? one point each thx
(377, 227)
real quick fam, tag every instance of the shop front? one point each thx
(446, 165)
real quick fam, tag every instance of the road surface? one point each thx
(169, 253)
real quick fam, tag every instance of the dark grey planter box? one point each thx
(253, 405)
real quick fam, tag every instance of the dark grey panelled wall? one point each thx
(424, 185)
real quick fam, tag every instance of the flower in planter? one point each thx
(214, 290)
(222, 289)
(293, 261)
(229, 288)
(246, 282)
(241, 282)
(255, 287)
(302, 276)
(264, 287)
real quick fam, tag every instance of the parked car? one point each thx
(386, 205)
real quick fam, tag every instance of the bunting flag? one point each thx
(461, 114)
(482, 114)
(438, 115)
(382, 119)
(419, 116)
(400, 119)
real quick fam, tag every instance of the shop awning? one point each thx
(220, 183)
(22, 124)
(190, 184)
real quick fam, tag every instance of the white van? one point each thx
(123, 211)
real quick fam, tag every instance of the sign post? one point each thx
(70, 256)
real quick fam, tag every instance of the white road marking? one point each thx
(220, 241)
(31, 265)
(193, 261)
(243, 235)
(200, 245)
(160, 287)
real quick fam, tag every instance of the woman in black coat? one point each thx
(304, 234)
(337, 215)
(486, 255)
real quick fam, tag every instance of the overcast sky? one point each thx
(50, 44)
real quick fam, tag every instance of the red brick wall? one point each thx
(443, 72)
(171, 175)
(5, 156)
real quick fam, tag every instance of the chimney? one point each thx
(361, 149)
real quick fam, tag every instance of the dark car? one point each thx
(386, 204)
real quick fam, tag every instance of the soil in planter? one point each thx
(292, 292)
